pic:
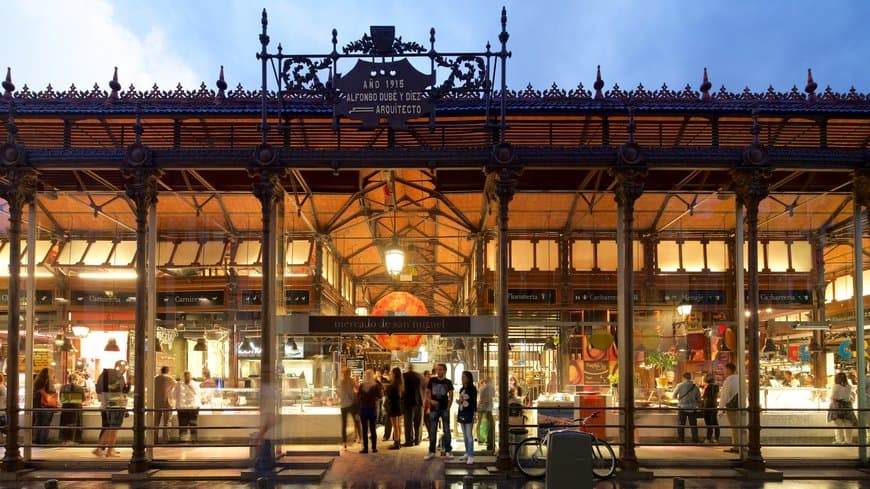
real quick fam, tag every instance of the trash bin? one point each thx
(569, 461)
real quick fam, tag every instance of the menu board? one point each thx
(596, 372)
(357, 366)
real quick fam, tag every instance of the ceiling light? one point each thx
(58, 340)
(80, 331)
(200, 345)
(67, 346)
(684, 309)
(549, 344)
(112, 345)
(394, 258)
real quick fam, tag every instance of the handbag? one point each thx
(48, 399)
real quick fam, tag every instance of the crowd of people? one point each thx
(404, 400)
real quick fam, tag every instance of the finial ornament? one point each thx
(705, 86)
(599, 83)
(8, 86)
(114, 85)
(811, 86)
(221, 84)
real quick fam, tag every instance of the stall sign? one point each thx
(707, 297)
(205, 298)
(390, 324)
(104, 298)
(582, 296)
(43, 297)
(357, 365)
(528, 296)
(291, 297)
(783, 297)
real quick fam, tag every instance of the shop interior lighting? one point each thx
(112, 345)
(394, 258)
(67, 346)
(80, 331)
(200, 345)
(549, 344)
(811, 326)
(58, 340)
(684, 309)
(109, 275)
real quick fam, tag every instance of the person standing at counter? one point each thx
(395, 392)
(439, 392)
(349, 405)
(163, 390)
(485, 421)
(788, 379)
(113, 385)
(688, 396)
(72, 395)
(709, 400)
(467, 403)
(186, 395)
(412, 405)
(44, 401)
(728, 401)
(840, 411)
(370, 394)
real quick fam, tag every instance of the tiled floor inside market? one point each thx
(405, 468)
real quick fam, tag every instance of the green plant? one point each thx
(663, 361)
(613, 378)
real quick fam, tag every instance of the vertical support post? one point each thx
(629, 187)
(317, 280)
(820, 368)
(750, 180)
(18, 191)
(29, 315)
(151, 317)
(141, 189)
(503, 168)
(861, 205)
(267, 188)
(740, 320)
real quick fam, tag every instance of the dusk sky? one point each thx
(742, 43)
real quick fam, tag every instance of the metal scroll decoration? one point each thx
(383, 87)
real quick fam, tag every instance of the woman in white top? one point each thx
(186, 395)
(840, 411)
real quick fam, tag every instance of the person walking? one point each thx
(72, 395)
(709, 399)
(394, 394)
(369, 395)
(44, 403)
(112, 385)
(186, 395)
(688, 397)
(729, 402)
(840, 411)
(439, 392)
(349, 407)
(485, 421)
(467, 403)
(163, 390)
(412, 405)
(426, 407)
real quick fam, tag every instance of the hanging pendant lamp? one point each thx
(112, 345)
(200, 345)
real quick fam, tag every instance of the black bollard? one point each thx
(50, 484)
(679, 483)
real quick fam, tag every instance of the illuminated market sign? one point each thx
(105, 298)
(394, 90)
(784, 297)
(206, 298)
(712, 297)
(389, 324)
(528, 296)
(294, 297)
(582, 296)
(43, 297)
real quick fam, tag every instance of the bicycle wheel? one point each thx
(531, 457)
(603, 459)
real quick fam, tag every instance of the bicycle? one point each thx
(530, 455)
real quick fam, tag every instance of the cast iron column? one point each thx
(141, 188)
(18, 191)
(861, 192)
(268, 190)
(629, 173)
(506, 171)
(820, 372)
(750, 180)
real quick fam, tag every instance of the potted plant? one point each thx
(662, 362)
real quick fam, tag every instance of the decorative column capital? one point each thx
(751, 184)
(20, 186)
(630, 180)
(141, 186)
(267, 185)
(505, 168)
(861, 184)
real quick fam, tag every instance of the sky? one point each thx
(743, 43)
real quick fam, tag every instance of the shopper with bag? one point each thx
(113, 384)
(45, 401)
(729, 403)
(688, 396)
(186, 395)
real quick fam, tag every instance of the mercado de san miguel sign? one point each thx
(394, 90)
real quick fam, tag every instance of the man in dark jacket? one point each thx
(412, 405)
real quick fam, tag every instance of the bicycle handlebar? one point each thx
(585, 420)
